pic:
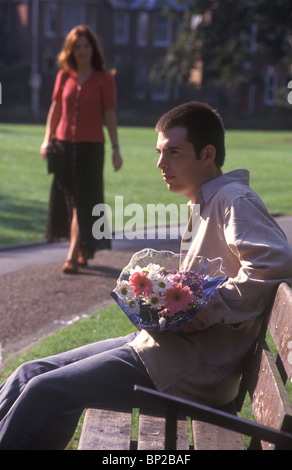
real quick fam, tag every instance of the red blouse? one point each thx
(83, 107)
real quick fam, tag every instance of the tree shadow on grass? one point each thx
(21, 221)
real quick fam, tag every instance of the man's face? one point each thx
(181, 169)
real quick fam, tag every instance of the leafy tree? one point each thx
(220, 34)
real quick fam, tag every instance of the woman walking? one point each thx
(84, 99)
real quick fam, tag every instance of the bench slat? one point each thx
(211, 437)
(269, 397)
(270, 401)
(182, 442)
(152, 433)
(280, 326)
(106, 430)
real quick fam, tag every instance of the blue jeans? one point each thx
(41, 402)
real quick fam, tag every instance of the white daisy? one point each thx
(153, 270)
(124, 290)
(161, 284)
(136, 269)
(155, 300)
(132, 307)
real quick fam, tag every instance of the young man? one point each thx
(41, 402)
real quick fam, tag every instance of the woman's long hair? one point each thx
(66, 58)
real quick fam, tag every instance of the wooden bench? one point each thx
(185, 425)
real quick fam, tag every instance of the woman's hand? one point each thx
(111, 123)
(52, 121)
(44, 149)
(117, 159)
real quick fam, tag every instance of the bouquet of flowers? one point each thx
(154, 294)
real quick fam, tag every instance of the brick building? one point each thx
(135, 35)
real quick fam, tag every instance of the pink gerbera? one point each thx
(178, 299)
(141, 284)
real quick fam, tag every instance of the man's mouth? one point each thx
(168, 178)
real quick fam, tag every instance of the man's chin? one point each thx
(172, 188)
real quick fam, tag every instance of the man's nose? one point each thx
(161, 163)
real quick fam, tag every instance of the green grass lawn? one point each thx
(24, 182)
(25, 187)
(109, 322)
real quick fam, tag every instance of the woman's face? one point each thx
(82, 51)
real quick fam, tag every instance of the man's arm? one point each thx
(265, 259)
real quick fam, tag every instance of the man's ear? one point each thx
(208, 154)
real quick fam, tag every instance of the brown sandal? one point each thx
(82, 259)
(70, 267)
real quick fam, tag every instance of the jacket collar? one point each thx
(207, 191)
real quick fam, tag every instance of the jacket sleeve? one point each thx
(265, 258)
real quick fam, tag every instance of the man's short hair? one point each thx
(204, 126)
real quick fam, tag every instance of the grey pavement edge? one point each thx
(17, 258)
(21, 257)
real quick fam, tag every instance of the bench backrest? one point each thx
(265, 376)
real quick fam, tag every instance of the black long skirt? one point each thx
(77, 183)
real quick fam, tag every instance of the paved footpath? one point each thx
(18, 258)
(37, 299)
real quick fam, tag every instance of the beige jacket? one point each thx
(236, 226)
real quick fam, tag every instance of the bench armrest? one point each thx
(174, 406)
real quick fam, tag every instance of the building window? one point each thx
(160, 91)
(73, 15)
(161, 31)
(121, 27)
(50, 14)
(142, 28)
(92, 14)
(49, 59)
(141, 82)
(270, 87)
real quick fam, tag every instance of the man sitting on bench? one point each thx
(41, 402)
